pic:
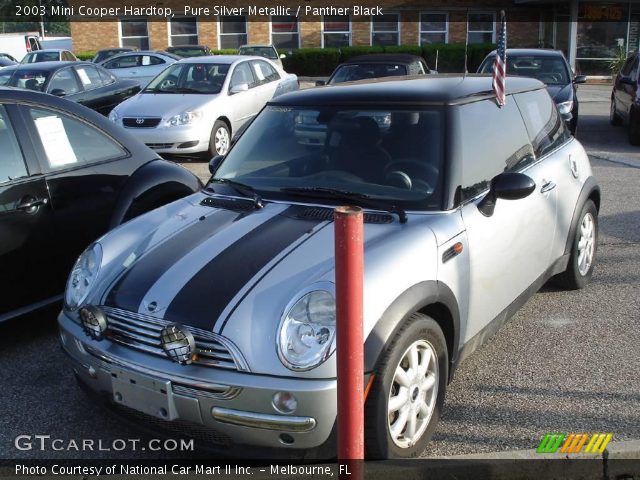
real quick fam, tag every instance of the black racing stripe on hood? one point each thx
(130, 289)
(203, 299)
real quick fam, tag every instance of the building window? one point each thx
(434, 27)
(481, 27)
(134, 33)
(183, 31)
(336, 31)
(284, 32)
(385, 29)
(232, 31)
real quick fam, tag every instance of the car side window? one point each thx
(626, 69)
(146, 60)
(634, 70)
(69, 142)
(242, 74)
(127, 61)
(106, 77)
(64, 80)
(12, 164)
(264, 72)
(89, 77)
(547, 130)
(495, 141)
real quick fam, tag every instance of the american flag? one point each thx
(500, 63)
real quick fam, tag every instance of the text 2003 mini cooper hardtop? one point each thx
(217, 312)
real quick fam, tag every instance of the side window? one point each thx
(64, 80)
(242, 74)
(634, 70)
(264, 72)
(106, 77)
(127, 61)
(546, 128)
(69, 142)
(628, 65)
(12, 164)
(150, 60)
(89, 77)
(495, 141)
(67, 56)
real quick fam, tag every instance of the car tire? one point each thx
(614, 118)
(583, 250)
(220, 139)
(421, 339)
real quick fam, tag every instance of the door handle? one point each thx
(547, 186)
(31, 204)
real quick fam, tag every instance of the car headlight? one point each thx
(114, 116)
(307, 332)
(83, 276)
(565, 107)
(186, 118)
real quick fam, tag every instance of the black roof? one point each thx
(540, 52)
(384, 58)
(45, 66)
(406, 90)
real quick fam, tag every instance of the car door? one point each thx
(510, 248)
(626, 86)
(64, 83)
(150, 67)
(266, 83)
(242, 103)
(94, 94)
(124, 66)
(25, 219)
(84, 169)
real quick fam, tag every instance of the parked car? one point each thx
(187, 51)
(102, 55)
(195, 105)
(81, 82)
(377, 65)
(266, 51)
(224, 322)
(5, 62)
(552, 69)
(17, 45)
(50, 55)
(6, 56)
(625, 105)
(67, 175)
(140, 66)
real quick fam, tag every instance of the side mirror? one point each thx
(214, 163)
(320, 83)
(239, 87)
(58, 92)
(580, 79)
(508, 186)
(282, 56)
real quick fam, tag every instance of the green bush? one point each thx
(477, 54)
(88, 55)
(312, 62)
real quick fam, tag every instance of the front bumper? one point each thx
(236, 407)
(185, 139)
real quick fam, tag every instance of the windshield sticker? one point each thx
(55, 141)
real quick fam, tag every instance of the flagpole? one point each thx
(466, 45)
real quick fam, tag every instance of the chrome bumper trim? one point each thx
(263, 420)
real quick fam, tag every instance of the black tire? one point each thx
(217, 126)
(573, 278)
(614, 118)
(634, 128)
(379, 443)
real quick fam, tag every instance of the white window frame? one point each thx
(446, 25)
(483, 12)
(322, 32)
(271, 29)
(182, 17)
(148, 37)
(220, 34)
(399, 31)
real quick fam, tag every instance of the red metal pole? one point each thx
(349, 254)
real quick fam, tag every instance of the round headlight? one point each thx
(306, 336)
(83, 276)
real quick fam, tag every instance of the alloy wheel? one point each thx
(586, 244)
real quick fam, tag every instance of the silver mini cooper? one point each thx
(216, 314)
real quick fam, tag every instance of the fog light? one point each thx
(284, 402)
(94, 322)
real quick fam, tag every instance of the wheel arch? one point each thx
(225, 119)
(590, 191)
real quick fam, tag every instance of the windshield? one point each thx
(190, 78)
(266, 52)
(29, 79)
(188, 51)
(41, 57)
(350, 73)
(551, 70)
(388, 155)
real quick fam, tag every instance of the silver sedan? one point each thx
(140, 66)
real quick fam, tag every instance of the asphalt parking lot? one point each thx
(568, 361)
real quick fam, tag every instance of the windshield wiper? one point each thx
(242, 189)
(360, 199)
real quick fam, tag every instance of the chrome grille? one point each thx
(142, 332)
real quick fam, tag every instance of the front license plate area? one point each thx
(145, 394)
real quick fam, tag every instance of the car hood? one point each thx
(163, 105)
(560, 93)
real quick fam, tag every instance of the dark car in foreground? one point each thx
(81, 82)
(625, 104)
(381, 65)
(67, 175)
(104, 54)
(223, 325)
(187, 51)
(552, 69)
